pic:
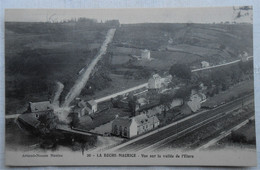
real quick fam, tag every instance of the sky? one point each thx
(134, 15)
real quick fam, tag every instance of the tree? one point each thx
(74, 120)
(181, 71)
(47, 123)
(116, 100)
(183, 93)
(220, 79)
(165, 101)
(132, 102)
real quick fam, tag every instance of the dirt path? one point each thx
(60, 87)
(121, 93)
(232, 62)
(83, 78)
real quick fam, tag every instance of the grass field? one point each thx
(39, 54)
(238, 90)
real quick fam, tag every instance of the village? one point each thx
(130, 90)
(154, 105)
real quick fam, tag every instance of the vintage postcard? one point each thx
(168, 86)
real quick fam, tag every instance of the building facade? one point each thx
(145, 54)
(92, 105)
(155, 82)
(204, 64)
(130, 127)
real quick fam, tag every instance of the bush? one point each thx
(181, 71)
(238, 137)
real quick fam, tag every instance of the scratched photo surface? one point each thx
(171, 86)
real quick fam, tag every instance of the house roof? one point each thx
(40, 106)
(148, 106)
(156, 76)
(123, 121)
(142, 119)
(92, 102)
(88, 109)
(142, 101)
(204, 62)
(202, 96)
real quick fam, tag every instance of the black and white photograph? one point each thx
(151, 86)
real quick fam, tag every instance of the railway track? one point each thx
(183, 127)
(199, 143)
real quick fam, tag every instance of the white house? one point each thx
(244, 56)
(130, 127)
(92, 105)
(155, 82)
(195, 101)
(145, 54)
(40, 106)
(81, 109)
(194, 104)
(204, 64)
(85, 108)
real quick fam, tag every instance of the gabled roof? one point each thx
(148, 106)
(153, 119)
(122, 121)
(92, 102)
(156, 76)
(204, 62)
(88, 109)
(82, 104)
(40, 106)
(142, 101)
(142, 119)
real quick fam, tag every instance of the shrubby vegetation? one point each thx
(181, 71)
(39, 54)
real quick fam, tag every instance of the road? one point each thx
(59, 90)
(224, 134)
(83, 78)
(121, 93)
(145, 85)
(220, 65)
(13, 116)
(173, 132)
(106, 98)
(206, 68)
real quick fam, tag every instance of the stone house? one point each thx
(155, 82)
(204, 64)
(130, 127)
(92, 105)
